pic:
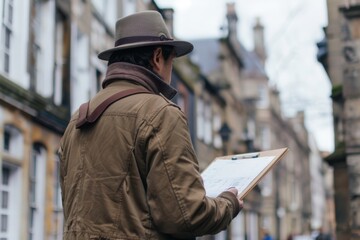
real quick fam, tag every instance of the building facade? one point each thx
(339, 54)
(279, 204)
(49, 66)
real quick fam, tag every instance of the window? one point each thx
(250, 134)
(266, 184)
(7, 137)
(59, 57)
(208, 134)
(266, 222)
(4, 223)
(107, 10)
(252, 226)
(36, 47)
(9, 202)
(7, 31)
(216, 129)
(200, 119)
(58, 219)
(99, 78)
(14, 38)
(13, 141)
(43, 47)
(263, 101)
(181, 101)
(98, 33)
(37, 192)
(238, 227)
(294, 195)
(4, 203)
(265, 137)
(204, 121)
(10, 188)
(81, 66)
(237, 230)
(98, 42)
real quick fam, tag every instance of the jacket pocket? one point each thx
(112, 184)
(102, 199)
(106, 188)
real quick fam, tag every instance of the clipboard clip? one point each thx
(245, 156)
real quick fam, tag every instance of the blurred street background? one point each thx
(289, 34)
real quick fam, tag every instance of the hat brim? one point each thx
(181, 47)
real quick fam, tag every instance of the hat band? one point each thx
(135, 39)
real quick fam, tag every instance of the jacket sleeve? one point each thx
(175, 190)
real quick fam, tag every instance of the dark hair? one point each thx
(140, 56)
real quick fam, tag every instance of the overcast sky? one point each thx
(292, 29)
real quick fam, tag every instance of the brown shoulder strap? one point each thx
(85, 119)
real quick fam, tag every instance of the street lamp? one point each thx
(225, 132)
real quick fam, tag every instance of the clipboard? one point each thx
(243, 171)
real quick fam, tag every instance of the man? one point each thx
(128, 168)
(322, 235)
(267, 235)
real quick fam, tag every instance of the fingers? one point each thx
(241, 203)
(233, 190)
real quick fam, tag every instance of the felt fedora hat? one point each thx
(142, 29)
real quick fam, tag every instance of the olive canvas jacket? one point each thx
(133, 174)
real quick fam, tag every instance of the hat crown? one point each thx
(147, 23)
(143, 29)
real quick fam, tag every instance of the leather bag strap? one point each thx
(85, 119)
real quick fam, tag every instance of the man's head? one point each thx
(143, 39)
(154, 58)
(144, 29)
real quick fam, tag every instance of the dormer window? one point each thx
(13, 141)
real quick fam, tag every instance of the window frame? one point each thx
(37, 180)
(58, 217)
(14, 142)
(7, 32)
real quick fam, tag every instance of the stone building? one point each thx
(43, 87)
(34, 108)
(323, 214)
(339, 54)
(48, 67)
(279, 204)
(291, 190)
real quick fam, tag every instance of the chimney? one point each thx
(232, 20)
(168, 15)
(259, 41)
(275, 100)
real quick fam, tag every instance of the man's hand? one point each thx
(235, 192)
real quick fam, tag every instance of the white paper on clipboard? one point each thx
(222, 174)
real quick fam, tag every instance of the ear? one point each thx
(157, 60)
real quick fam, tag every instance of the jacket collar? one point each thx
(130, 72)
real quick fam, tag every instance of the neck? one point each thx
(131, 72)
